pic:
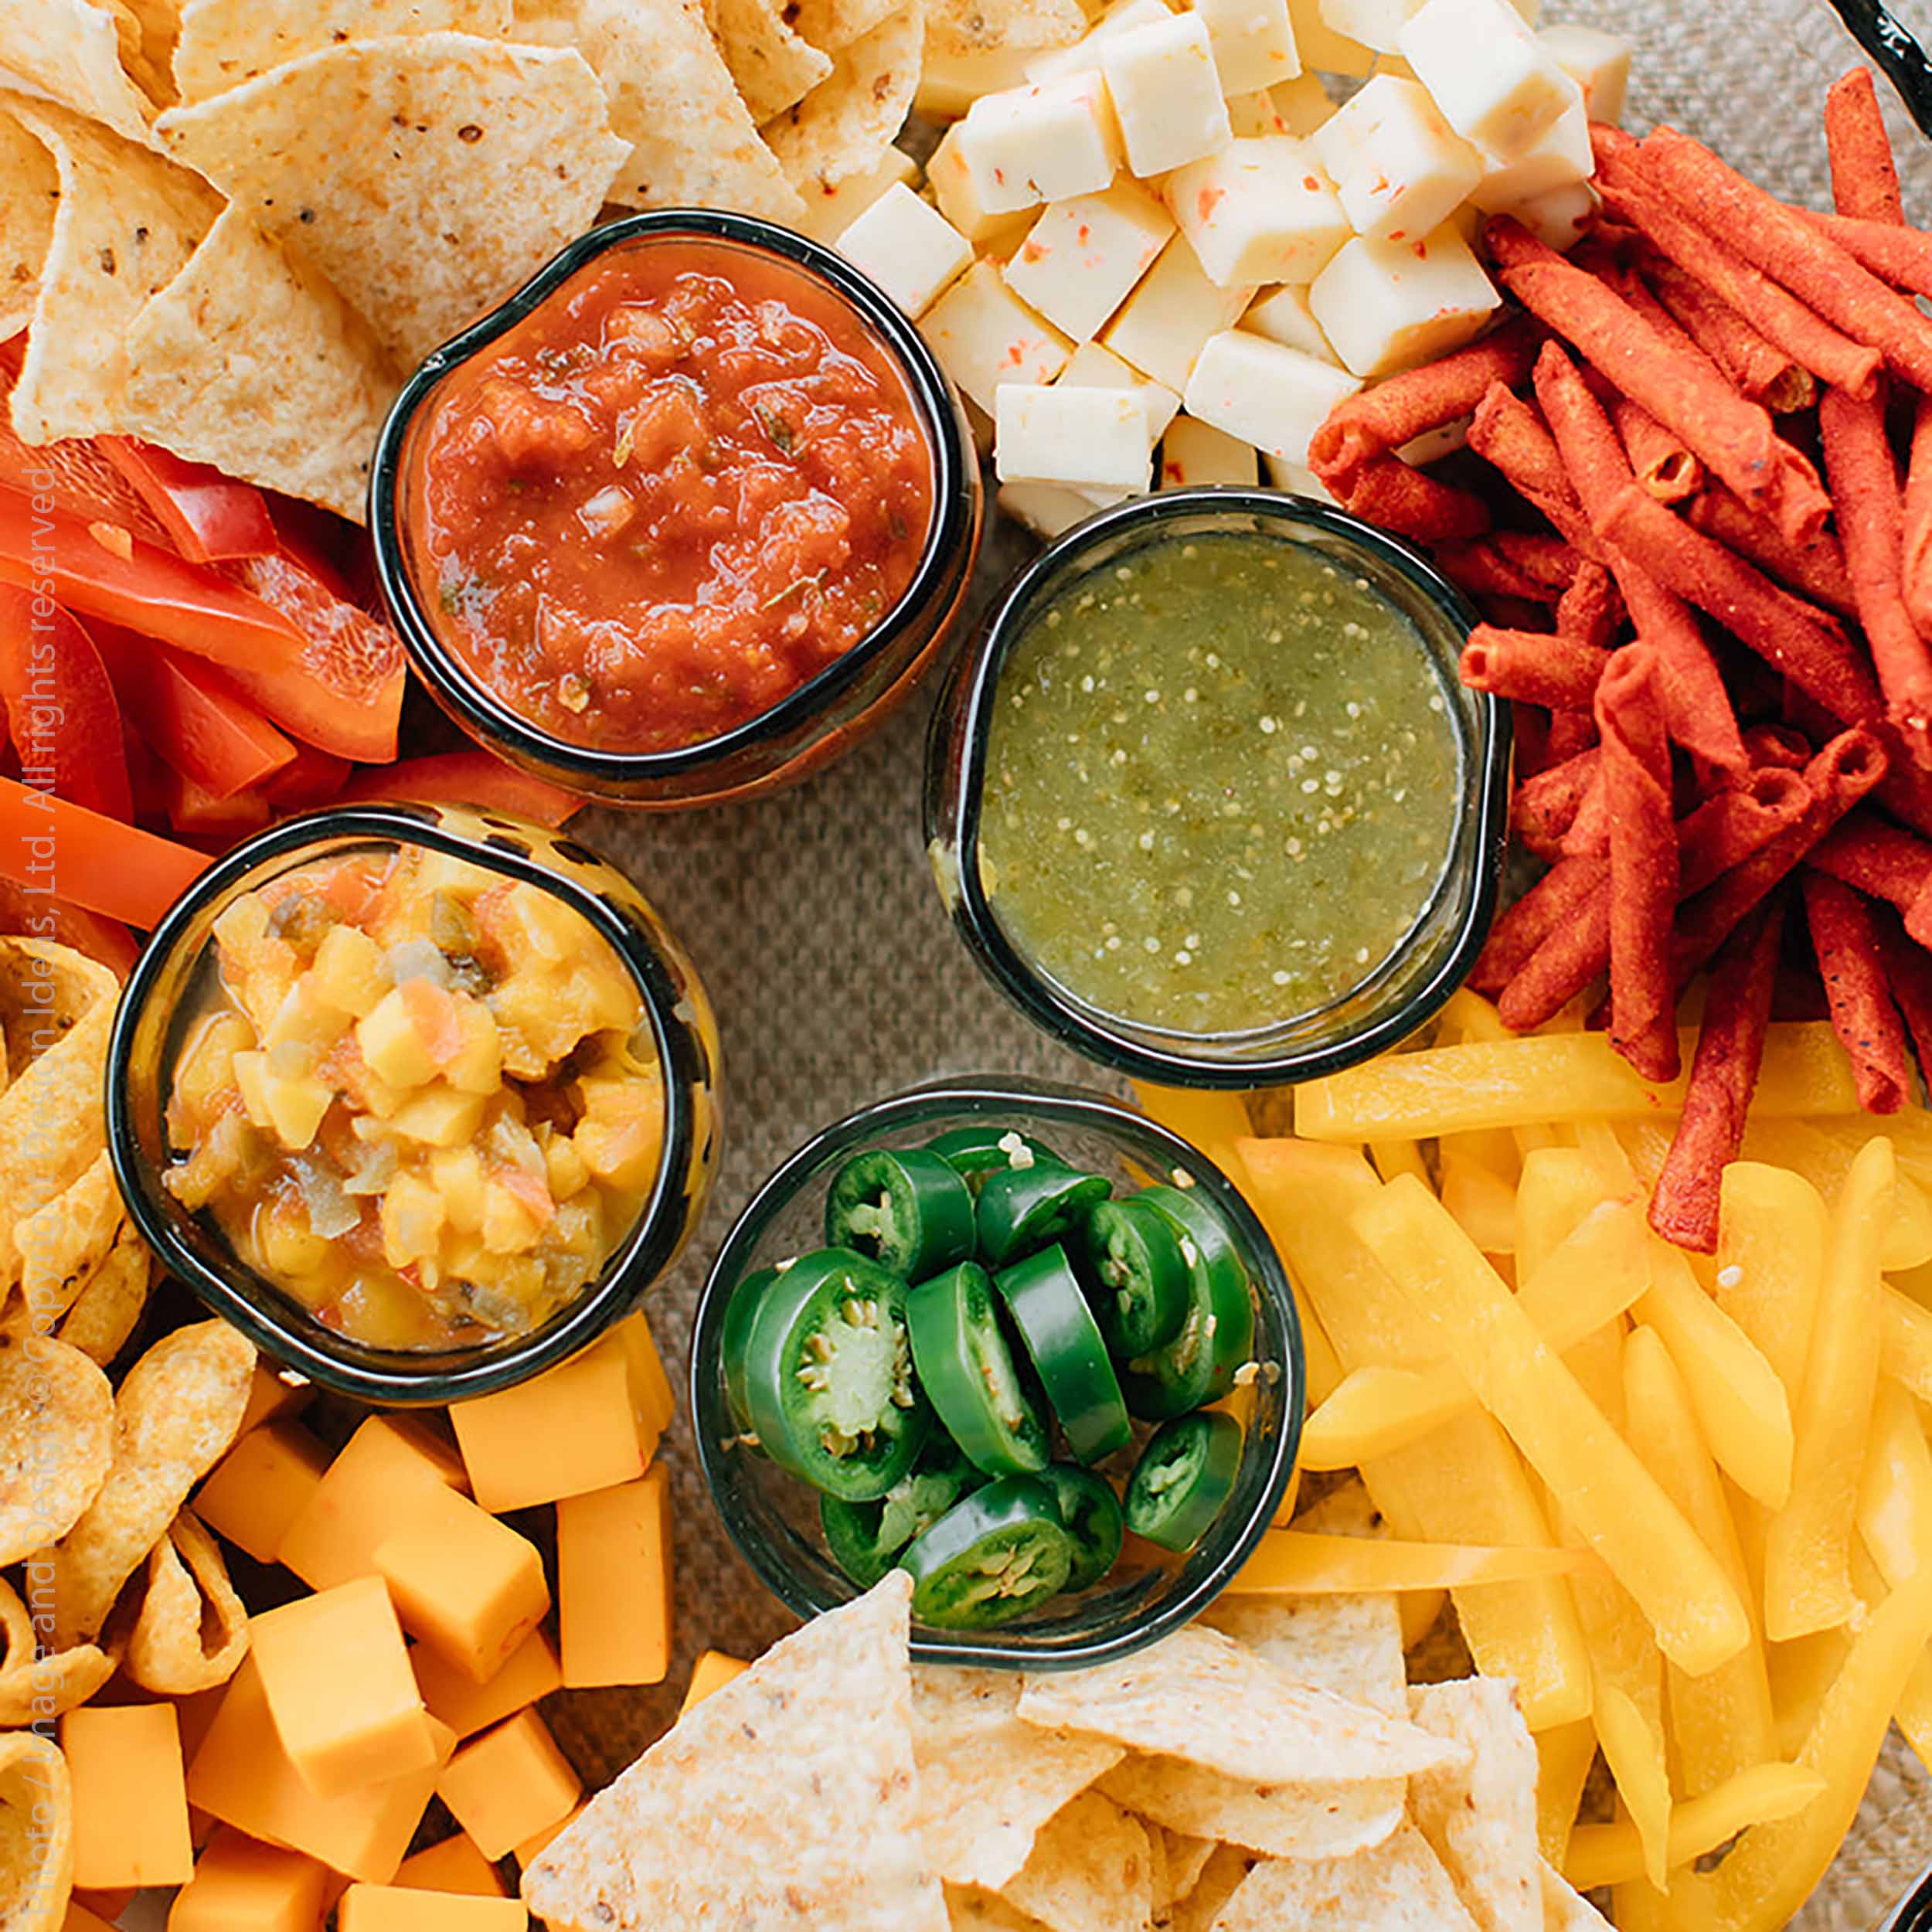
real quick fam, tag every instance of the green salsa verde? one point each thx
(1221, 784)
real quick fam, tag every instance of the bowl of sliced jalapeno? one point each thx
(1012, 1339)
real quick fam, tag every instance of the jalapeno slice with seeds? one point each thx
(993, 1556)
(827, 1376)
(1027, 1208)
(1043, 1296)
(1217, 1337)
(739, 1310)
(866, 1539)
(1091, 1515)
(969, 1375)
(909, 1212)
(975, 1152)
(1183, 1480)
(1137, 1275)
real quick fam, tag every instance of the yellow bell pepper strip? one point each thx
(1419, 1610)
(1770, 1259)
(1894, 1487)
(1466, 1018)
(1614, 1501)
(1563, 1761)
(1212, 1122)
(1392, 1157)
(1799, 1148)
(87, 859)
(1483, 1203)
(1292, 1562)
(1807, 1583)
(1632, 1738)
(1904, 1343)
(1689, 1907)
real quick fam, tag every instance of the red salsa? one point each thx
(673, 494)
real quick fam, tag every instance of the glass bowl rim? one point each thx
(389, 1375)
(995, 1094)
(474, 702)
(1478, 839)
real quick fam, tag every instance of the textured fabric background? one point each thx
(815, 922)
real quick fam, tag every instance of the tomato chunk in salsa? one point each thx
(673, 494)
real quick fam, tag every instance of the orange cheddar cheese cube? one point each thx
(656, 1404)
(532, 1673)
(258, 1489)
(369, 1492)
(453, 1866)
(712, 1672)
(82, 1917)
(337, 1676)
(389, 1908)
(468, 1587)
(242, 1774)
(585, 1425)
(539, 1842)
(613, 1583)
(270, 1399)
(130, 1797)
(241, 1884)
(507, 1785)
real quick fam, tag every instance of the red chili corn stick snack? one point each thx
(1548, 559)
(1507, 433)
(1884, 861)
(1765, 372)
(1548, 906)
(1556, 672)
(1482, 569)
(1898, 256)
(1544, 807)
(1916, 570)
(1665, 469)
(1570, 732)
(1589, 833)
(1686, 1204)
(1863, 1015)
(1776, 748)
(1392, 494)
(1816, 570)
(1908, 971)
(1865, 171)
(1591, 611)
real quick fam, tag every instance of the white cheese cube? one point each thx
(1298, 480)
(1095, 438)
(830, 211)
(1117, 18)
(1273, 397)
(1400, 169)
(1083, 256)
(1093, 367)
(959, 200)
(1040, 142)
(1283, 315)
(949, 83)
(1050, 509)
(1258, 211)
(1194, 454)
(1162, 325)
(1598, 62)
(1253, 115)
(985, 336)
(912, 251)
(1560, 218)
(1253, 43)
(1433, 445)
(1495, 83)
(1165, 92)
(1559, 158)
(1374, 23)
(1387, 306)
(1322, 49)
(1303, 106)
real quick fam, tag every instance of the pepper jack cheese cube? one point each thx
(1560, 218)
(1283, 315)
(1273, 397)
(241, 1884)
(950, 83)
(508, 1783)
(1598, 62)
(1495, 84)
(955, 197)
(830, 211)
(392, 1908)
(1093, 367)
(614, 1584)
(390, 1463)
(130, 1797)
(1560, 158)
(984, 335)
(1194, 453)
(1166, 93)
(911, 251)
(453, 1866)
(1097, 437)
(1324, 50)
(1044, 142)
(1083, 258)
(1084, 54)
(257, 1490)
(1302, 107)
(1374, 23)
(467, 1707)
(1297, 480)
(1258, 211)
(1252, 41)
(1400, 169)
(1387, 306)
(1050, 509)
(712, 1672)
(1162, 325)
(1253, 115)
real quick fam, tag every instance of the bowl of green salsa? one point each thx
(1206, 798)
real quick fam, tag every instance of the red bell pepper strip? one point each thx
(196, 813)
(208, 515)
(61, 710)
(313, 779)
(473, 778)
(49, 847)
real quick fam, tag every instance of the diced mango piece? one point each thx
(532, 1674)
(439, 1116)
(712, 1672)
(241, 1884)
(130, 1798)
(394, 1050)
(369, 1490)
(337, 1679)
(477, 1065)
(508, 1785)
(453, 1866)
(613, 1583)
(272, 1395)
(388, 1908)
(413, 1218)
(259, 1488)
(348, 971)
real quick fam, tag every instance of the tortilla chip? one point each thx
(969, 1910)
(845, 125)
(1090, 1871)
(983, 26)
(62, 1244)
(36, 1833)
(249, 361)
(1304, 1820)
(772, 66)
(345, 153)
(179, 1408)
(223, 43)
(831, 26)
(51, 1129)
(1220, 1878)
(1199, 1696)
(1481, 1821)
(824, 1834)
(57, 1442)
(29, 194)
(1398, 1887)
(111, 1302)
(159, 22)
(46, 989)
(1350, 1645)
(191, 1633)
(1566, 1909)
(986, 1782)
(128, 221)
(1187, 1859)
(693, 141)
(70, 50)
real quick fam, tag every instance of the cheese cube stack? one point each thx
(1558, 157)
(1043, 143)
(1194, 454)
(1253, 43)
(1599, 64)
(1095, 367)
(1162, 77)
(1387, 306)
(1400, 169)
(1258, 211)
(1163, 324)
(1499, 87)
(1120, 18)
(1283, 315)
(1051, 509)
(984, 335)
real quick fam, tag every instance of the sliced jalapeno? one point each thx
(1199, 1365)
(1183, 1479)
(1044, 1298)
(828, 1376)
(866, 1539)
(1091, 1515)
(1027, 1208)
(969, 1375)
(739, 1310)
(993, 1556)
(909, 1212)
(975, 1152)
(1138, 1275)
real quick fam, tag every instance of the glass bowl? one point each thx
(147, 1034)
(1915, 1911)
(773, 1518)
(1419, 974)
(824, 717)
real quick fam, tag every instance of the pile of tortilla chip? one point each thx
(1269, 1766)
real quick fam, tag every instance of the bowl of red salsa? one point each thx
(683, 518)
